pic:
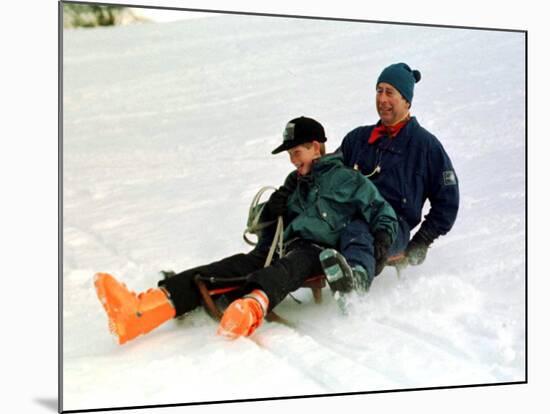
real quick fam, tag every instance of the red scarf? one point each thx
(391, 131)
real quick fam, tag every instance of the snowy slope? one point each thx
(167, 132)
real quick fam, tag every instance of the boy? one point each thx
(321, 197)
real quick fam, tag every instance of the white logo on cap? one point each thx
(288, 134)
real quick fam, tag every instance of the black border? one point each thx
(137, 407)
(526, 205)
(60, 208)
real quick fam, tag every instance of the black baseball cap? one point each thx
(299, 131)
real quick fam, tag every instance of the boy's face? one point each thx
(302, 157)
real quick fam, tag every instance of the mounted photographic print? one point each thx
(264, 206)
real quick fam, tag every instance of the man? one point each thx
(408, 165)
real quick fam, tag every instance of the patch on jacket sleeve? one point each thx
(449, 177)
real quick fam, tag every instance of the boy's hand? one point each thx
(382, 243)
(277, 203)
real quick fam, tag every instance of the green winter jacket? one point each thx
(326, 200)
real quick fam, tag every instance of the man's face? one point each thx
(302, 157)
(390, 104)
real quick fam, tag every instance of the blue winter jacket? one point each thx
(413, 168)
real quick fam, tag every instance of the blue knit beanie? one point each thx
(402, 78)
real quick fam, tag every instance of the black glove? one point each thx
(382, 243)
(417, 248)
(276, 205)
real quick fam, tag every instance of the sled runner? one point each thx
(399, 261)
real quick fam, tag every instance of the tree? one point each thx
(91, 15)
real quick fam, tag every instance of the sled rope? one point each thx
(277, 241)
(253, 225)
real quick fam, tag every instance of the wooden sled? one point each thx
(315, 283)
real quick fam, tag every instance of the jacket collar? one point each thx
(391, 131)
(399, 143)
(320, 165)
(326, 162)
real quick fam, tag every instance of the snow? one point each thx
(167, 135)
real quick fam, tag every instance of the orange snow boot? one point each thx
(243, 316)
(129, 314)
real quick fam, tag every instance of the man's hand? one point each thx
(417, 248)
(416, 252)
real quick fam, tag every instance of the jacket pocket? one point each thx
(334, 214)
(412, 194)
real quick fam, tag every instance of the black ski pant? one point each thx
(283, 276)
